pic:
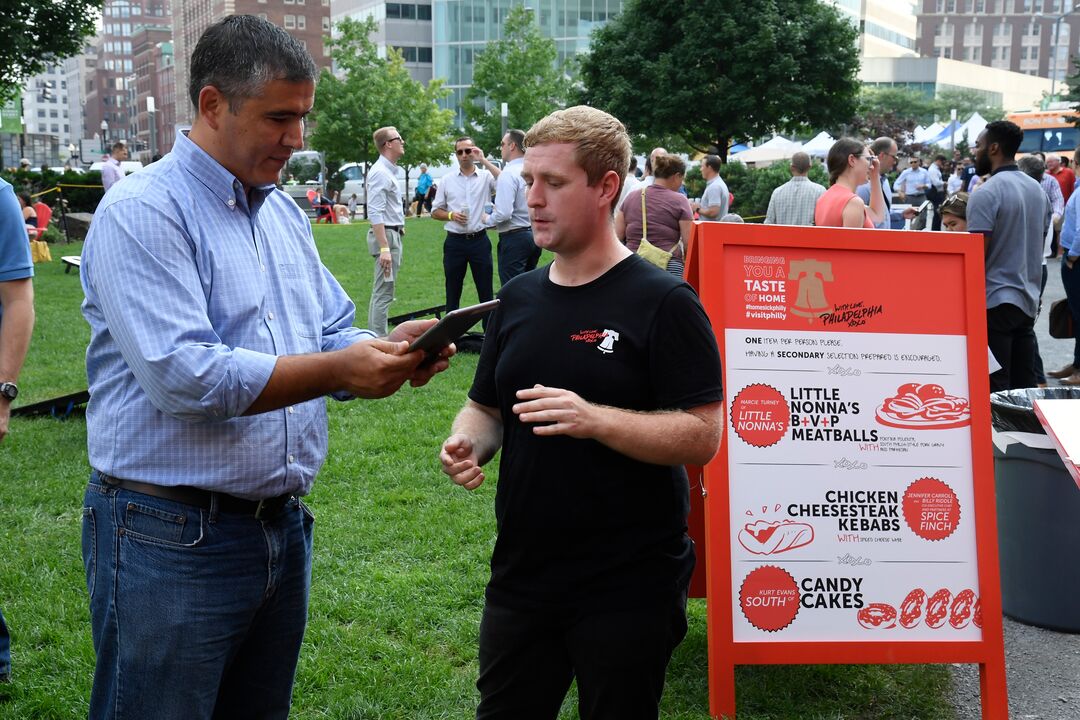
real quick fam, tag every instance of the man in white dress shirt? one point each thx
(460, 202)
(517, 252)
(387, 216)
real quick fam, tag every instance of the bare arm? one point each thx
(878, 209)
(646, 437)
(16, 326)
(686, 227)
(491, 167)
(709, 211)
(855, 213)
(474, 439)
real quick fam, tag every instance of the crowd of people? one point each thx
(216, 335)
(1020, 208)
(207, 419)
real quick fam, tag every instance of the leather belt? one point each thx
(470, 236)
(399, 229)
(516, 230)
(197, 497)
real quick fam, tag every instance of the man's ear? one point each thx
(212, 105)
(609, 187)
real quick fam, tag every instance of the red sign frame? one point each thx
(705, 270)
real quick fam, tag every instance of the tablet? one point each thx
(452, 326)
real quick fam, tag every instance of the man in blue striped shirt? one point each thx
(216, 332)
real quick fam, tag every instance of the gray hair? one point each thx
(800, 163)
(240, 54)
(1033, 166)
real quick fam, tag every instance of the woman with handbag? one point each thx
(656, 221)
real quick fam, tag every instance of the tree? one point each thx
(965, 102)
(712, 70)
(1073, 95)
(519, 70)
(39, 32)
(375, 92)
(890, 111)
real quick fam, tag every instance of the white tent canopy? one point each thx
(974, 125)
(929, 133)
(779, 143)
(766, 156)
(777, 148)
(819, 145)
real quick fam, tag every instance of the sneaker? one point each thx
(1062, 373)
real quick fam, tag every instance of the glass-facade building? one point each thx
(462, 28)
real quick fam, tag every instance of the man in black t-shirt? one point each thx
(599, 378)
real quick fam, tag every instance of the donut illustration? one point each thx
(961, 612)
(937, 609)
(976, 615)
(911, 609)
(877, 616)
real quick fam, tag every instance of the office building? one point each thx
(306, 20)
(405, 26)
(1033, 37)
(463, 28)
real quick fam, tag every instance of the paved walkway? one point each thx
(1042, 666)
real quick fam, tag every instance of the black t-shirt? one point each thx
(580, 524)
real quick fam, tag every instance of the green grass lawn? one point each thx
(400, 552)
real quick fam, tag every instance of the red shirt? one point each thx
(1067, 180)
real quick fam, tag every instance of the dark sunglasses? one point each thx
(464, 151)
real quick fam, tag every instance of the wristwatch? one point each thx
(9, 390)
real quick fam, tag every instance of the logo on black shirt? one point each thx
(603, 339)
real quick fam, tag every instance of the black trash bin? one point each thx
(1038, 514)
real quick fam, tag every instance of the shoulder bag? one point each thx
(648, 251)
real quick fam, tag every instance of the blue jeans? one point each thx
(5, 648)
(195, 613)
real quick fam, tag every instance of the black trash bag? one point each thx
(1014, 410)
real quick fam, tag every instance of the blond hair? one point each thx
(599, 139)
(382, 135)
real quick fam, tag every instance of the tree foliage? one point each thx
(374, 92)
(519, 70)
(894, 111)
(712, 70)
(38, 32)
(1072, 96)
(965, 102)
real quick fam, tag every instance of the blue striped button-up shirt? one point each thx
(192, 294)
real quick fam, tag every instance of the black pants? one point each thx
(517, 254)
(619, 657)
(1010, 333)
(472, 251)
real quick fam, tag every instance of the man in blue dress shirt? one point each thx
(216, 332)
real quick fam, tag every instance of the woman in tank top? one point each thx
(850, 164)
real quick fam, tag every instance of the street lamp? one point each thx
(104, 135)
